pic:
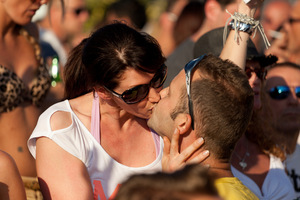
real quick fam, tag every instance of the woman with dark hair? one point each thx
(85, 147)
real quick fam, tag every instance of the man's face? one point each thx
(286, 112)
(293, 29)
(161, 120)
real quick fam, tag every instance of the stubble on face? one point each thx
(161, 120)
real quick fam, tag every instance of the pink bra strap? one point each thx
(156, 139)
(95, 120)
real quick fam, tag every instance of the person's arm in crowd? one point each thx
(61, 175)
(11, 184)
(236, 51)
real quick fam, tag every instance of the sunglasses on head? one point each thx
(140, 92)
(260, 73)
(282, 92)
(188, 71)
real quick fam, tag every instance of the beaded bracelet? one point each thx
(242, 22)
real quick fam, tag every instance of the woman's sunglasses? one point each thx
(140, 92)
(282, 92)
(260, 73)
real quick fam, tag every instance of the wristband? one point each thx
(241, 26)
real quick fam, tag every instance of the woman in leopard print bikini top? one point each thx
(24, 84)
(13, 91)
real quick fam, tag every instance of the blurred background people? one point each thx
(287, 47)
(273, 15)
(192, 182)
(62, 25)
(130, 11)
(215, 16)
(162, 28)
(292, 28)
(283, 96)
(188, 22)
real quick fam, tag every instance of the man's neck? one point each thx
(221, 168)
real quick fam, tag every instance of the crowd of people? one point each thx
(197, 105)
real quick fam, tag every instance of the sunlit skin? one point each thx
(161, 112)
(274, 15)
(293, 29)
(20, 12)
(17, 55)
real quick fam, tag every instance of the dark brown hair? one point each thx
(75, 76)
(113, 48)
(191, 180)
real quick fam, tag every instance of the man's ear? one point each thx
(212, 9)
(183, 122)
(103, 93)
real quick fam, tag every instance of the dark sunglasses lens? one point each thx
(279, 92)
(159, 78)
(297, 91)
(248, 72)
(135, 94)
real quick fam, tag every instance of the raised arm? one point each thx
(235, 48)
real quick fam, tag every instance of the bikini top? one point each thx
(14, 92)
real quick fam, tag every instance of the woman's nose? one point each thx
(154, 95)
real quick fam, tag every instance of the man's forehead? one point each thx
(179, 80)
(280, 75)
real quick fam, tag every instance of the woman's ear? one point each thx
(103, 93)
(183, 122)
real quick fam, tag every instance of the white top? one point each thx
(105, 173)
(293, 167)
(276, 184)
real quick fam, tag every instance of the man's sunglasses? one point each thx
(260, 73)
(188, 71)
(140, 92)
(282, 92)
